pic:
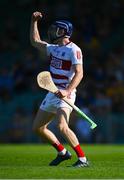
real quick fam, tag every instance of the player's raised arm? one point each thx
(34, 33)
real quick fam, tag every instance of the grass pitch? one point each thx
(31, 162)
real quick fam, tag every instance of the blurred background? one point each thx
(99, 31)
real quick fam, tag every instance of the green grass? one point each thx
(31, 162)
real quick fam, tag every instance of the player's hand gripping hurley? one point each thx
(45, 81)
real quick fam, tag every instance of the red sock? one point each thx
(79, 151)
(59, 147)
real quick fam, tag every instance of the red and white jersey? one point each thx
(61, 60)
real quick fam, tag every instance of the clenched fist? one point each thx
(61, 93)
(36, 16)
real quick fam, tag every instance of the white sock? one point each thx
(83, 159)
(62, 152)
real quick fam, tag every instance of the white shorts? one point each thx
(51, 103)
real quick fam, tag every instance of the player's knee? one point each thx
(39, 130)
(42, 129)
(63, 128)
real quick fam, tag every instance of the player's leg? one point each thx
(63, 115)
(40, 124)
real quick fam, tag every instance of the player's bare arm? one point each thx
(77, 77)
(34, 33)
(74, 83)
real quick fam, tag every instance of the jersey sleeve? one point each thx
(76, 56)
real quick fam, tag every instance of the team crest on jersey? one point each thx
(56, 51)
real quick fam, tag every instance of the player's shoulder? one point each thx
(74, 46)
(52, 45)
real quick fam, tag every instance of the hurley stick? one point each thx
(45, 81)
